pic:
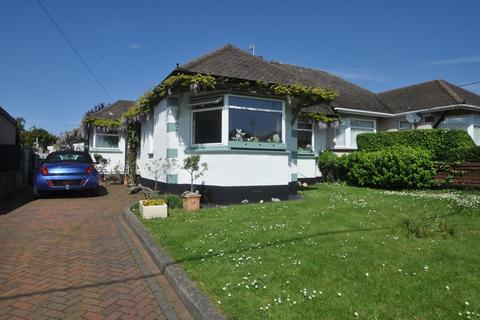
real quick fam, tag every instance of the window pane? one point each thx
(255, 103)
(104, 141)
(340, 136)
(207, 126)
(455, 121)
(476, 120)
(404, 125)
(353, 135)
(362, 123)
(304, 139)
(247, 125)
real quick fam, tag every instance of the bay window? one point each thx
(234, 119)
(106, 140)
(305, 136)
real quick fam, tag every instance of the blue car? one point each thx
(66, 170)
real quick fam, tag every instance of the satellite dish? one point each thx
(413, 118)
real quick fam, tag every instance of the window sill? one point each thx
(106, 150)
(257, 145)
(225, 149)
(305, 154)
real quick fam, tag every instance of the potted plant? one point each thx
(191, 199)
(153, 208)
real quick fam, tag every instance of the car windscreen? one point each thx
(68, 157)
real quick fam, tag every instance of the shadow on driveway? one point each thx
(25, 195)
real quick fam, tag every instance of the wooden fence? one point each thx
(460, 175)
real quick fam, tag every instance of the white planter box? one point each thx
(152, 212)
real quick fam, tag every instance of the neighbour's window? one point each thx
(106, 140)
(455, 122)
(340, 134)
(305, 136)
(476, 129)
(359, 126)
(404, 125)
(256, 120)
(207, 122)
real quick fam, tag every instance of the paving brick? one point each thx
(65, 258)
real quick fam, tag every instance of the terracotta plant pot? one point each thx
(191, 202)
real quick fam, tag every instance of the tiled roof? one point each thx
(114, 111)
(230, 61)
(430, 94)
(233, 62)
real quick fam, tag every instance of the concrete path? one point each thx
(73, 257)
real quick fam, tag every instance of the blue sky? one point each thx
(133, 45)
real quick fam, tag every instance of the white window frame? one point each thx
(192, 124)
(399, 127)
(312, 143)
(225, 119)
(105, 134)
(348, 132)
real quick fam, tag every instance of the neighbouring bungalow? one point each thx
(259, 144)
(106, 137)
(8, 128)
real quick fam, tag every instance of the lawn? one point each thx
(340, 253)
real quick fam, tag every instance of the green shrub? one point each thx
(391, 168)
(333, 167)
(439, 142)
(172, 200)
(461, 154)
(327, 163)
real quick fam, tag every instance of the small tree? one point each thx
(192, 164)
(158, 168)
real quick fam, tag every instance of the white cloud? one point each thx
(460, 60)
(136, 46)
(360, 74)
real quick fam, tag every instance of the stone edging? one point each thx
(196, 302)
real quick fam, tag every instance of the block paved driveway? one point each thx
(74, 257)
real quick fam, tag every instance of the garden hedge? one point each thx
(391, 168)
(439, 142)
(461, 154)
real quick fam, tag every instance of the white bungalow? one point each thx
(256, 146)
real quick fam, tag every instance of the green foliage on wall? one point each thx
(436, 141)
(91, 121)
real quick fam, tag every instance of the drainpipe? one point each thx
(437, 123)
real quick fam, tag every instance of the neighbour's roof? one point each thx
(114, 111)
(430, 94)
(230, 61)
(7, 116)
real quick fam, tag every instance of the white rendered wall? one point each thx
(307, 168)
(225, 168)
